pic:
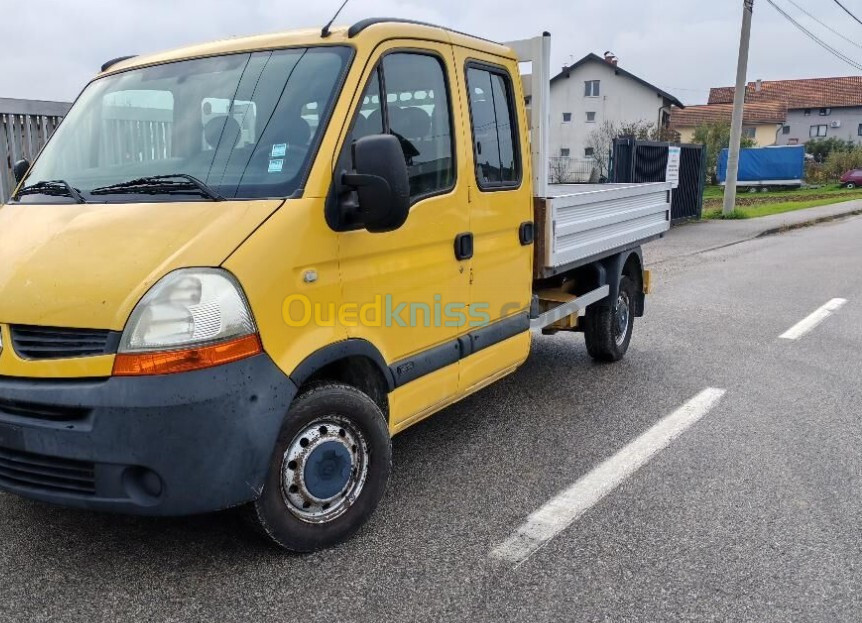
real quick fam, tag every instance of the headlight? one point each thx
(192, 319)
(189, 307)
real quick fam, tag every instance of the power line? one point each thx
(825, 25)
(846, 10)
(815, 38)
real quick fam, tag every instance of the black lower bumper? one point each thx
(159, 445)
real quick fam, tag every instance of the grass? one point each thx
(753, 205)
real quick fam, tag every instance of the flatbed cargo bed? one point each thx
(580, 223)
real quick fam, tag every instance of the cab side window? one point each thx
(415, 108)
(494, 124)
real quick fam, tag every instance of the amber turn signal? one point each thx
(186, 360)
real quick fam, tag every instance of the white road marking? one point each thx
(561, 511)
(804, 326)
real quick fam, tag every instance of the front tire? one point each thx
(608, 328)
(328, 472)
(850, 185)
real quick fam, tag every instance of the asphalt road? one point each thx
(750, 514)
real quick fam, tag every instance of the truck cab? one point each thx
(238, 269)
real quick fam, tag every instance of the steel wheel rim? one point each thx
(324, 469)
(621, 318)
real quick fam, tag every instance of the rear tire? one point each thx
(608, 328)
(328, 472)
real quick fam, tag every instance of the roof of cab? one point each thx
(368, 31)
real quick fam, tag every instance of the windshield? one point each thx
(245, 125)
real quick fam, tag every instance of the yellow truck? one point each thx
(238, 269)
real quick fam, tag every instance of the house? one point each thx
(816, 107)
(761, 121)
(589, 93)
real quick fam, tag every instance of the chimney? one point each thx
(758, 86)
(611, 59)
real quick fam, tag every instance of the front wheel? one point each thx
(608, 328)
(328, 472)
(850, 185)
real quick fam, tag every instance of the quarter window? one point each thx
(592, 88)
(495, 138)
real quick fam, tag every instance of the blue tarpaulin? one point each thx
(763, 164)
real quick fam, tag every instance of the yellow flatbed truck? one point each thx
(237, 269)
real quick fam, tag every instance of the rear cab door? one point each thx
(501, 212)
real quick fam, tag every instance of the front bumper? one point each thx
(152, 445)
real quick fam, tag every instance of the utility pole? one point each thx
(738, 104)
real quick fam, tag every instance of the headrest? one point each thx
(222, 129)
(412, 123)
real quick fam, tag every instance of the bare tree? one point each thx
(559, 171)
(601, 140)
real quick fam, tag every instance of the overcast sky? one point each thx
(53, 47)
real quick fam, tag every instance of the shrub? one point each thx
(839, 162)
(821, 148)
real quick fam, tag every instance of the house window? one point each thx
(785, 129)
(567, 116)
(807, 112)
(591, 117)
(564, 152)
(589, 152)
(859, 132)
(749, 132)
(825, 112)
(592, 88)
(817, 131)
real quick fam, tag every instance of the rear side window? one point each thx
(407, 96)
(495, 136)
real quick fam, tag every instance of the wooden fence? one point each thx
(25, 127)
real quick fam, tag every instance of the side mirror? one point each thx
(381, 181)
(19, 170)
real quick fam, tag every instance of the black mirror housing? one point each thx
(381, 181)
(19, 170)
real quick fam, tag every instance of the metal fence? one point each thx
(567, 170)
(25, 127)
(646, 161)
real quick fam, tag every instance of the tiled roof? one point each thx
(807, 93)
(754, 113)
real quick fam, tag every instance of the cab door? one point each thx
(501, 211)
(413, 274)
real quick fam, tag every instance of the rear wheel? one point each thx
(328, 471)
(608, 328)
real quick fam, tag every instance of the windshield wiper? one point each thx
(55, 188)
(160, 184)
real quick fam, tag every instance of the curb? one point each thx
(815, 221)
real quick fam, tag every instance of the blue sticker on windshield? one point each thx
(278, 151)
(276, 165)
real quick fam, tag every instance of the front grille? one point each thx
(61, 343)
(46, 473)
(53, 413)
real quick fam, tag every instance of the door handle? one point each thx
(464, 246)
